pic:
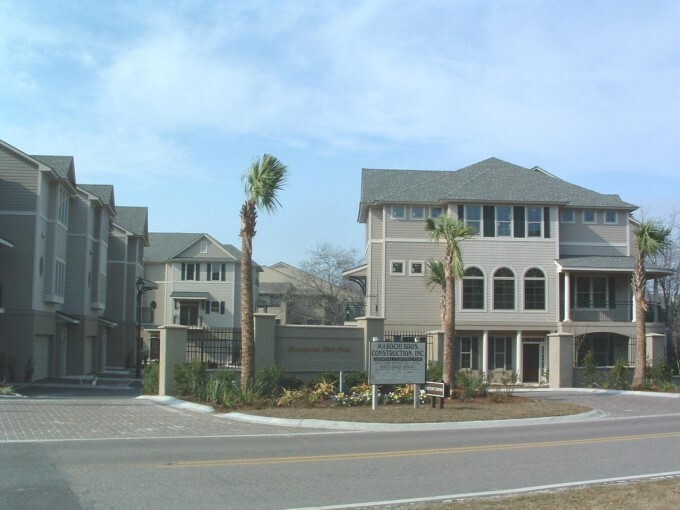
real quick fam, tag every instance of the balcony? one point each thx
(620, 311)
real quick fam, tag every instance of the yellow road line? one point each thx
(414, 453)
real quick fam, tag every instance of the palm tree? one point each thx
(262, 181)
(452, 232)
(650, 238)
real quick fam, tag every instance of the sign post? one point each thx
(397, 363)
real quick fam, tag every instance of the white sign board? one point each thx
(397, 362)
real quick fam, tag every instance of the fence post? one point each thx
(373, 327)
(265, 340)
(656, 347)
(173, 351)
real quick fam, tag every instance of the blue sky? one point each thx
(170, 101)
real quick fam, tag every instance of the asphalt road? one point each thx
(175, 458)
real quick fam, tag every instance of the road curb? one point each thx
(402, 427)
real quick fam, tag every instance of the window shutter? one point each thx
(222, 307)
(207, 306)
(546, 222)
(612, 293)
(198, 272)
(492, 348)
(461, 212)
(518, 218)
(475, 353)
(184, 271)
(508, 353)
(223, 272)
(489, 221)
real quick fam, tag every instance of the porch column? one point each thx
(633, 304)
(485, 354)
(518, 356)
(567, 297)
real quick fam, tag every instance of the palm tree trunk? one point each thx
(639, 283)
(248, 220)
(449, 327)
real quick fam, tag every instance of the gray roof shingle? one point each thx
(103, 192)
(491, 180)
(164, 246)
(133, 219)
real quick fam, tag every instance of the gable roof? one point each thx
(64, 166)
(164, 246)
(104, 192)
(491, 180)
(134, 220)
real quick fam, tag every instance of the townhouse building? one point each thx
(129, 236)
(55, 273)
(198, 278)
(297, 297)
(547, 257)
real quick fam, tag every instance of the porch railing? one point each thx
(619, 311)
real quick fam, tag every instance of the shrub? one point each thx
(589, 369)
(222, 388)
(150, 380)
(357, 378)
(329, 377)
(509, 381)
(6, 390)
(190, 379)
(658, 375)
(618, 376)
(471, 385)
(435, 372)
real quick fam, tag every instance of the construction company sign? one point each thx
(397, 362)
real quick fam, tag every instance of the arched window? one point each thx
(534, 289)
(504, 289)
(473, 289)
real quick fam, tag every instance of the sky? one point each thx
(170, 101)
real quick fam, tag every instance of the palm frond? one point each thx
(263, 180)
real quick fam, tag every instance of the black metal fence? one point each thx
(414, 336)
(216, 347)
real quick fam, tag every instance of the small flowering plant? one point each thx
(401, 395)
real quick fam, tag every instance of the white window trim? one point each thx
(403, 266)
(616, 217)
(442, 212)
(573, 216)
(410, 267)
(511, 221)
(423, 211)
(480, 230)
(204, 246)
(583, 217)
(528, 222)
(397, 217)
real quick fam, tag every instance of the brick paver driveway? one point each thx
(60, 419)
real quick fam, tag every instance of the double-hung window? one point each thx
(216, 272)
(535, 221)
(503, 221)
(473, 217)
(611, 218)
(591, 292)
(469, 353)
(191, 271)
